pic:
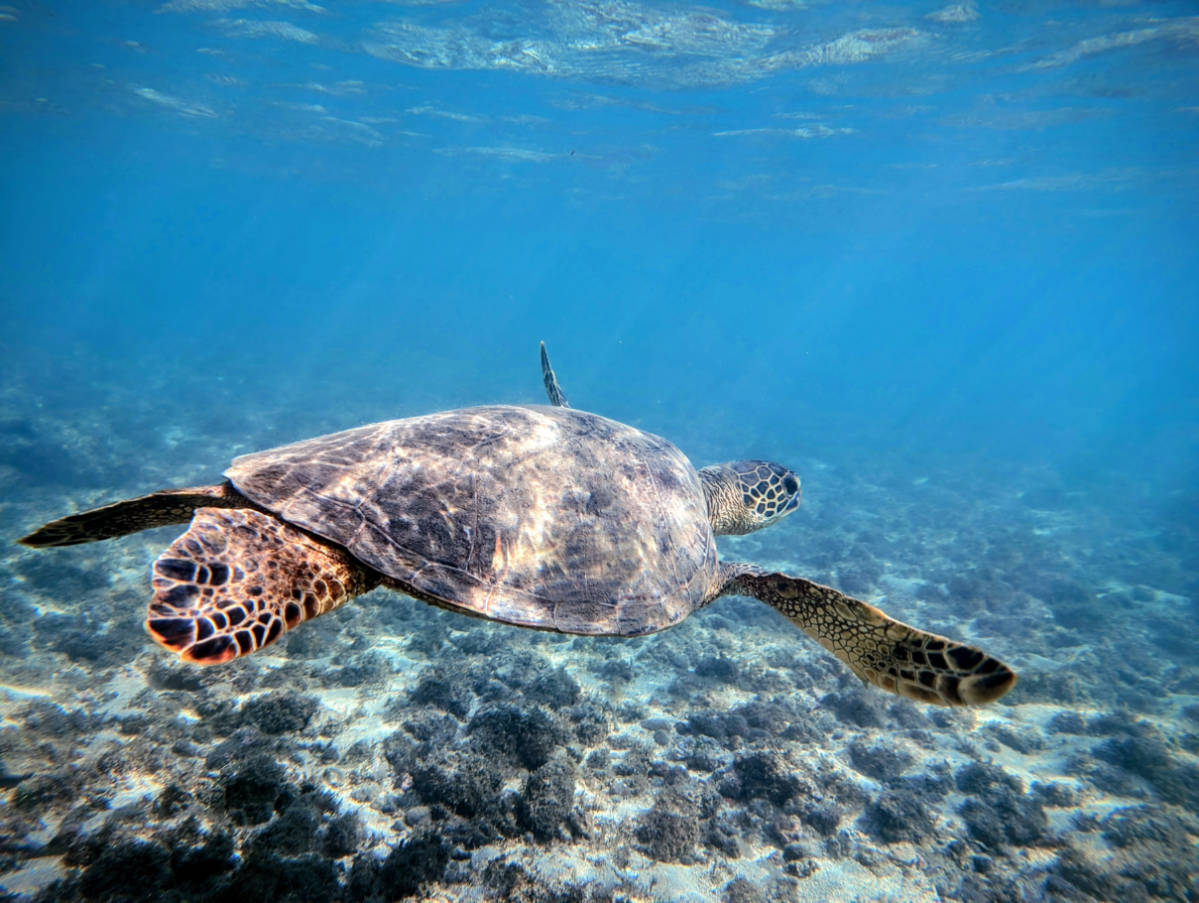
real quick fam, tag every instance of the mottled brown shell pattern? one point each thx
(539, 516)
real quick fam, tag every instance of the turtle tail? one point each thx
(158, 509)
(238, 579)
(878, 649)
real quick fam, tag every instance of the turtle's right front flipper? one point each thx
(552, 389)
(877, 648)
(158, 509)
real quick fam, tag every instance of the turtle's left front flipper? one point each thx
(878, 649)
(238, 580)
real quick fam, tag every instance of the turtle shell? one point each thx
(545, 517)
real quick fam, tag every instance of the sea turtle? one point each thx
(540, 516)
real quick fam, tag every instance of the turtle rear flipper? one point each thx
(877, 648)
(552, 389)
(158, 509)
(238, 579)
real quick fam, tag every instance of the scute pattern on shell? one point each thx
(541, 516)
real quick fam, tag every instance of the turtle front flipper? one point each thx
(552, 389)
(238, 579)
(158, 509)
(877, 648)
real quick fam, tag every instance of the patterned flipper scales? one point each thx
(877, 648)
(238, 579)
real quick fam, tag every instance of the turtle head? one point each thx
(744, 496)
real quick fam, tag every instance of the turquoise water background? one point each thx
(942, 260)
(961, 230)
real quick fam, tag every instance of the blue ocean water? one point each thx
(938, 259)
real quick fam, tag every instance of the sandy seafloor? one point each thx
(392, 750)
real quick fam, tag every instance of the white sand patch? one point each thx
(31, 877)
(17, 693)
(118, 695)
(831, 879)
